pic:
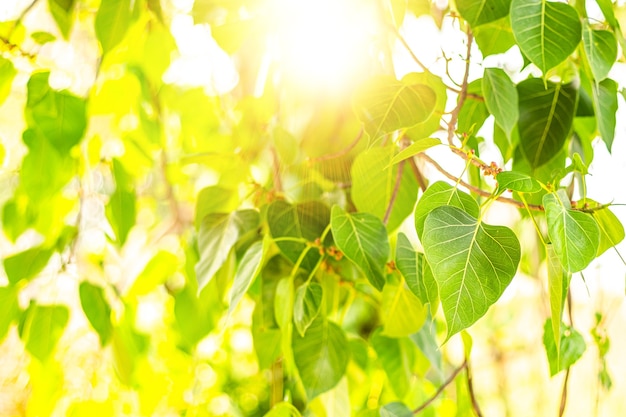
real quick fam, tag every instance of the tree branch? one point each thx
(463, 93)
(470, 389)
(441, 388)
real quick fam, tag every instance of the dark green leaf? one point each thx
(501, 98)
(112, 22)
(25, 265)
(601, 51)
(605, 103)
(321, 356)
(472, 262)
(545, 118)
(483, 11)
(517, 181)
(97, 310)
(363, 239)
(416, 272)
(307, 305)
(42, 328)
(571, 349)
(546, 32)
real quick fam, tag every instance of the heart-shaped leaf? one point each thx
(307, 305)
(611, 229)
(479, 12)
(404, 313)
(601, 51)
(517, 181)
(571, 347)
(501, 98)
(546, 32)
(416, 272)
(472, 262)
(363, 239)
(575, 235)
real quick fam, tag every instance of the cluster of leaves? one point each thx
(317, 224)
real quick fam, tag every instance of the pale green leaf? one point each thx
(472, 262)
(415, 148)
(217, 235)
(26, 265)
(42, 328)
(571, 349)
(403, 312)
(611, 229)
(321, 356)
(601, 51)
(395, 409)
(161, 267)
(363, 239)
(385, 104)
(247, 270)
(373, 183)
(575, 235)
(283, 410)
(7, 74)
(495, 37)
(474, 111)
(96, 309)
(121, 209)
(307, 305)
(558, 284)
(337, 401)
(546, 112)
(501, 98)
(479, 12)
(442, 194)
(433, 122)
(112, 22)
(416, 272)
(517, 181)
(215, 199)
(397, 358)
(605, 105)
(284, 302)
(546, 32)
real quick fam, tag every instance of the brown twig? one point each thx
(339, 153)
(441, 388)
(418, 174)
(470, 389)
(564, 394)
(463, 94)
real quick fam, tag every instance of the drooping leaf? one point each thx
(161, 267)
(501, 98)
(546, 32)
(10, 309)
(217, 235)
(373, 184)
(62, 12)
(442, 194)
(472, 262)
(7, 74)
(572, 347)
(42, 327)
(112, 22)
(385, 105)
(575, 235)
(611, 229)
(363, 239)
(307, 305)
(248, 269)
(545, 118)
(397, 358)
(517, 181)
(305, 221)
(605, 104)
(415, 148)
(96, 309)
(416, 272)
(25, 265)
(395, 409)
(495, 37)
(321, 356)
(283, 410)
(404, 313)
(558, 283)
(601, 51)
(483, 11)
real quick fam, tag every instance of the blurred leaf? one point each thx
(128, 346)
(546, 32)
(112, 22)
(484, 11)
(248, 269)
(42, 38)
(307, 305)
(283, 410)
(7, 74)
(416, 272)
(605, 104)
(472, 262)
(97, 310)
(121, 209)
(575, 235)
(62, 11)
(433, 122)
(611, 229)
(91, 408)
(571, 349)
(217, 235)
(397, 358)
(517, 181)
(41, 328)
(25, 265)
(161, 267)
(215, 199)
(10, 309)
(474, 111)
(321, 356)
(363, 239)
(404, 313)
(284, 302)
(600, 50)
(395, 409)
(558, 283)
(501, 98)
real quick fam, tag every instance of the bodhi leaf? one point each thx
(483, 11)
(442, 194)
(307, 306)
(474, 111)
(433, 122)
(611, 229)
(605, 104)
(575, 235)
(321, 356)
(546, 113)
(472, 262)
(42, 327)
(495, 37)
(96, 309)
(62, 12)
(501, 98)
(558, 283)
(517, 181)
(571, 349)
(415, 148)
(416, 272)
(25, 265)
(121, 210)
(546, 32)
(601, 51)
(404, 313)
(363, 239)
(397, 357)
(217, 235)
(385, 105)
(215, 199)
(247, 270)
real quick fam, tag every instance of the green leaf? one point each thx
(611, 229)
(42, 328)
(403, 312)
(501, 98)
(517, 181)
(605, 105)
(7, 74)
(416, 272)
(395, 409)
(112, 22)
(433, 122)
(10, 309)
(482, 11)
(283, 410)
(558, 283)
(472, 262)
(474, 111)
(601, 51)
(59, 115)
(217, 235)
(442, 194)
(415, 148)
(284, 302)
(248, 269)
(546, 115)
(25, 265)
(42, 38)
(385, 105)
(321, 356)
(571, 349)
(546, 32)
(495, 37)
(97, 310)
(305, 221)
(373, 183)
(397, 357)
(307, 305)
(121, 210)
(62, 12)
(363, 239)
(215, 199)
(161, 267)
(129, 346)
(575, 235)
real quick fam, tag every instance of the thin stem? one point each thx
(441, 388)
(339, 153)
(408, 48)
(394, 193)
(463, 94)
(564, 394)
(537, 229)
(470, 389)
